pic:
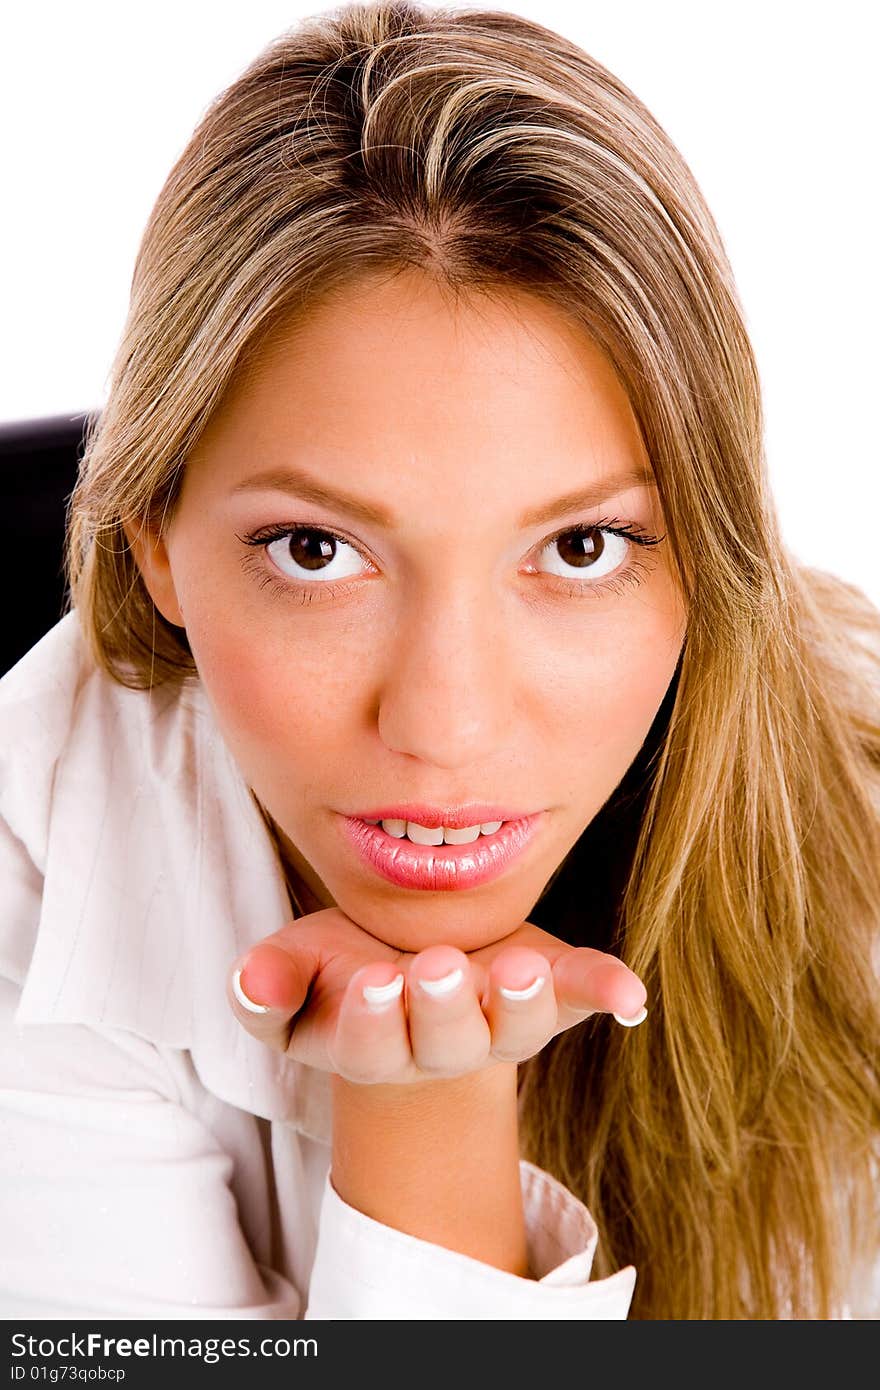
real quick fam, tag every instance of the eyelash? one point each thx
(631, 576)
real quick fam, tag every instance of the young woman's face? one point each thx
(430, 629)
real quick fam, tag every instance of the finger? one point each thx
(266, 988)
(520, 1006)
(371, 1042)
(448, 1032)
(589, 981)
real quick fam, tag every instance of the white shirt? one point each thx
(155, 1160)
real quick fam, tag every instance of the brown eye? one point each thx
(308, 553)
(311, 549)
(587, 552)
(581, 548)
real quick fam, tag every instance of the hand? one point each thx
(312, 972)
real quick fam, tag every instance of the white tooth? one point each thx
(421, 835)
(397, 828)
(465, 836)
(491, 826)
(371, 822)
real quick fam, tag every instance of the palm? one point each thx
(329, 1027)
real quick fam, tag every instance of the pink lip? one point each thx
(454, 817)
(441, 868)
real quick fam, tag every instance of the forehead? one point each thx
(460, 346)
(397, 381)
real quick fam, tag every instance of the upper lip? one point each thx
(453, 817)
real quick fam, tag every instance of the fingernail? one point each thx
(242, 998)
(445, 985)
(631, 1022)
(528, 993)
(377, 996)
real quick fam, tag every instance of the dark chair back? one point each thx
(38, 470)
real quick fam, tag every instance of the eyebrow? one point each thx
(308, 489)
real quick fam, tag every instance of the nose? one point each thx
(448, 691)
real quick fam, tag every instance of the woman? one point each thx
(431, 335)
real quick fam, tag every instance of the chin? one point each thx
(440, 920)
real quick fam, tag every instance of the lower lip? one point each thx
(441, 868)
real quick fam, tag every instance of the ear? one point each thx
(151, 553)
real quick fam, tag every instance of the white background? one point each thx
(772, 103)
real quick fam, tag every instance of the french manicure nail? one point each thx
(379, 995)
(243, 999)
(445, 985)
(528, 993)
(631, 1022)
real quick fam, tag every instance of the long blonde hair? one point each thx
(726, 1147)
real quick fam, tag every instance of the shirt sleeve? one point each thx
(366, 1270)
(115, 1201)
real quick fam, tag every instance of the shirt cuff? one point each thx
(364, 1269)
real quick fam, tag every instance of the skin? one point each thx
(452, 664)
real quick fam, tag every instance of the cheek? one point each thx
(623, 698)
(269, 700)
(607, 697)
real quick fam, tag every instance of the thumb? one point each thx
(266, 988)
